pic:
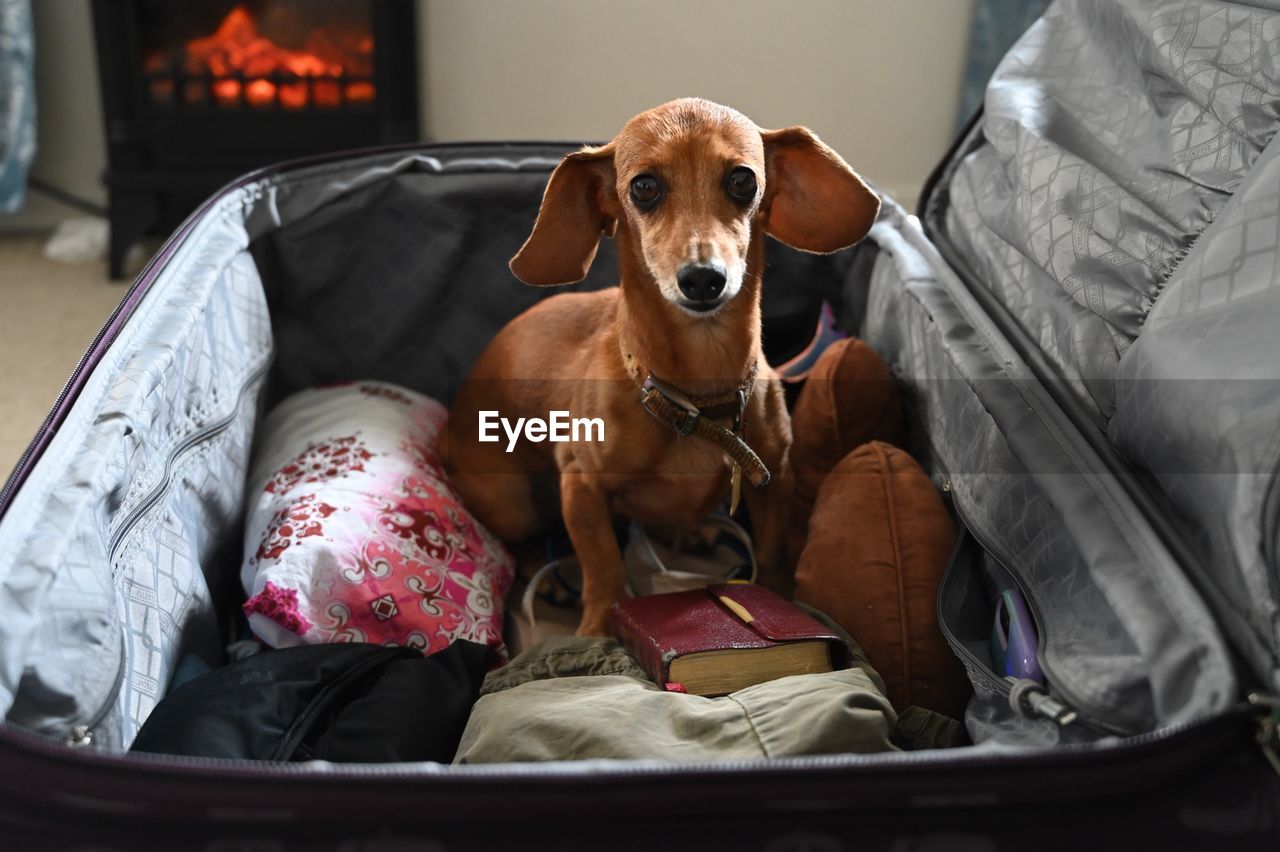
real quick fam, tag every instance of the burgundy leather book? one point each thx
(723, 638)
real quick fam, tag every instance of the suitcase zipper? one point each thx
(1031, 699)
(1268, 727)
(82, 734)
(196, 438)
(1271, 526)
(1026, 697)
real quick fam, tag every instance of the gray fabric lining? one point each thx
(1114, 133)
(1124, 632)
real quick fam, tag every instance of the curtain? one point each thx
(17, 102)
(997, 24)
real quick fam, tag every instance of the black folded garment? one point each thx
(347, 703)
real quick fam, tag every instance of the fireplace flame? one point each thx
(246, 67)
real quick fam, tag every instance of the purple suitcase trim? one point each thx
(101, 343)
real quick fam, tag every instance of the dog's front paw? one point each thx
(595, 624)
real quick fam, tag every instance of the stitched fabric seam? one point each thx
(751, 723)
(886, 485)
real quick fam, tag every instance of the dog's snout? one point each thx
(701, 282)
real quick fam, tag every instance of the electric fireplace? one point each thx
(196, 92)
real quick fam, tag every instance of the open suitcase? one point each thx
(1085, 325)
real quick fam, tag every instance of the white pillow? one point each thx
(353, 535)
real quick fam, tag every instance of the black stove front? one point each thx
(196, 92)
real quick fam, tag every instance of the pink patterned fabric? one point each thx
(353, 534)
(279, 605)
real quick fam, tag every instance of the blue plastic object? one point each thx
(1014, 641)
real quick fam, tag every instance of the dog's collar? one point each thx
(693, 415)
(730, 404)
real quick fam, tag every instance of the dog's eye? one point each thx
(645, 191)
(741, 184)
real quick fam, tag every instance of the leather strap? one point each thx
(686, 422)
(722, 406)
(697, 415)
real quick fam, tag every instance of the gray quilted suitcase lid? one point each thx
(1116, 208)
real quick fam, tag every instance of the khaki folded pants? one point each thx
(578, 698)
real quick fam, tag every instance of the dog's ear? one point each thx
(570, 221)
(813, 200)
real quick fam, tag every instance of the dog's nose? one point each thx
(700, 282)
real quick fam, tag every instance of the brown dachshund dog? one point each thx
(670, 361)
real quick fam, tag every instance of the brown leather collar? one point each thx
(730, 404)
(697, 416)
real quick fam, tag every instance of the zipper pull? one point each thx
(81, 735)
(1268, 727)
(1030, 699)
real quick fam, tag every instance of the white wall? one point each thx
(879, 80)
